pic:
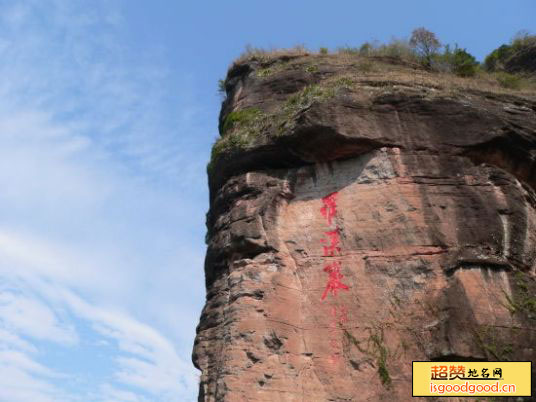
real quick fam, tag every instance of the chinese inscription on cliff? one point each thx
(332, 267)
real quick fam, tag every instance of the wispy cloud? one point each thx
(24, 315)
(101, 232)
(145, 362)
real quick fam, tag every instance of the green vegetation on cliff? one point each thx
(499, 58)
(420, 62)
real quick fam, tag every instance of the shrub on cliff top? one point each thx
(464, 64)
(459, 62)
(365, 49)
(397, 49)
(348, 50)
(496, 60)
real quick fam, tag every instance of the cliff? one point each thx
(364, 213)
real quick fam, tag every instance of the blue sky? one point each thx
(107, 113)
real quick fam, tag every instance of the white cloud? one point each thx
(24, 363)
(29, 317)
(109, 393)
(148, 360)
(13, 341)
(145, 359)
(100, 245)
(22, 378)
(17, 385)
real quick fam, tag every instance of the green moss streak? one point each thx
(377, 350)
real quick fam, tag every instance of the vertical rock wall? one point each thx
(374, 226)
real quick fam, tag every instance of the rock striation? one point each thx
(364, 214)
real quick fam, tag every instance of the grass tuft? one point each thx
(241, 118)
(239, 130)
(510, 81)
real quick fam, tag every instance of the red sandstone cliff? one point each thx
(364, 215)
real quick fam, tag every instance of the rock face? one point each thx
(363, 215)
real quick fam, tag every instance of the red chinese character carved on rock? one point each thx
(329, 209)
(333, 240)
(334, 280)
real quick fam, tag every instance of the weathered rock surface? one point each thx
(391, 220)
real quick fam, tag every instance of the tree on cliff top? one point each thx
(425, 44)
